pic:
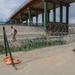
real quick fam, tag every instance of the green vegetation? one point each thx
(31, 44)
(1, 49)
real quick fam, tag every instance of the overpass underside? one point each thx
(35, 7)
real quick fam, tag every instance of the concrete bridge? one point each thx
(35, 7)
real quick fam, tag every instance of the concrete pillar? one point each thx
(20, 18)
(48, 15)
(42, 18)
(67, 16)
(26, 20)
(45, 14)
(54, 12)
(32, 21)
(29, 16)
(36, 17)
(61, 14)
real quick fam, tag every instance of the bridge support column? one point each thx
(32, 21)
(54, 12)
(14, 21)
(29, 15)
(45, 14)
(48, 15)
(26, 20)
(36, 18)
(9, 22)
(67, 16)
(61, 13)
(20, 19)
(42, 18)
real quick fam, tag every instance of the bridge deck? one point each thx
(37, 5)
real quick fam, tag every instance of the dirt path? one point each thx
(57, 60)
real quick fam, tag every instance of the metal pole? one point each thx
(7, 44)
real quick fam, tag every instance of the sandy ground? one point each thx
(56, 60)
(22, 31)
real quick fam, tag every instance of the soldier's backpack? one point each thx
(15, 31)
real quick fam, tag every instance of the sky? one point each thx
(8, 7)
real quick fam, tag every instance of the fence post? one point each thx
(47, 40)
(7, 47)
(5, 41)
